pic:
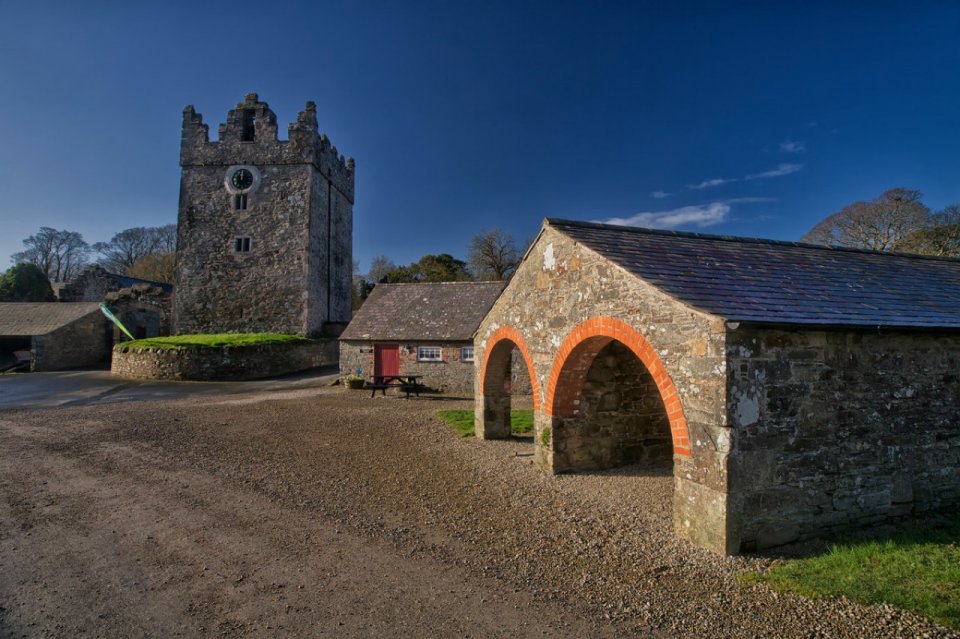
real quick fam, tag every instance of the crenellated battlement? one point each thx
(249, 136)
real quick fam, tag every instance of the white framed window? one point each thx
(466, 353)
(429, 354)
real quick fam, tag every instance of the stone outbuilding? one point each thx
(94, 283)
(144, 306)
(57, 335)
(419, 329)
(794, 389)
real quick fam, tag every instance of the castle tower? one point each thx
(265, 226)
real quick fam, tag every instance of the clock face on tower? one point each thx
(242, 179)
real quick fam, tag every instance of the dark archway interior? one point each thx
(9, 345)
(141, 322)
(620, 420)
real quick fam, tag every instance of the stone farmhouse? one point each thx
(419, 329)
(794, 389)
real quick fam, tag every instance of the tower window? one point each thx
(241, 245)
(248, 130)
(240, 202)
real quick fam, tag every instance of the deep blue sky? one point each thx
(464, 116)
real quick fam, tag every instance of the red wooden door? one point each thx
(386, 359)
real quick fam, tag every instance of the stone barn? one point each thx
(419, 329)
(57, 335)
(794, 389)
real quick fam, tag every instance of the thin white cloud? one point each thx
(706, 184)
(660, 194)
(782, 169)
(793, 146)
(749, 200)
(701, 215)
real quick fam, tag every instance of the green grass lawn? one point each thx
(918, 571)
(213, 340)
(521, 421)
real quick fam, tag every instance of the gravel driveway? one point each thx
(318, 512)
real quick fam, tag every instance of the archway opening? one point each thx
(507, 391)
(609, 411)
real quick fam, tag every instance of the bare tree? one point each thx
(129, 246)
(878, 224)
(59, 254)
(380, 267)
(941, 238)
(493, 255)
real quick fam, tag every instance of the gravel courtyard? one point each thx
(319, 512)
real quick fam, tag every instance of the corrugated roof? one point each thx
(23, 319)
(745, 279)
(435, 311)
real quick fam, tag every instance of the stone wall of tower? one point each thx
(295, 277)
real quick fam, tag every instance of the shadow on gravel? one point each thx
(643, 469)
(422, 398)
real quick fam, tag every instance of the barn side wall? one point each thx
(559, 286)
(83, 342)
(840, 429)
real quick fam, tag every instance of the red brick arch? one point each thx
(509, 333)
(576, 355)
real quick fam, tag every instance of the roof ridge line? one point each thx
(741, 239)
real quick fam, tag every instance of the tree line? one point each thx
(491, 255)
(144, 252)
(896, 220)
(56, 256)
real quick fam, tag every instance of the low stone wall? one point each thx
(232, 363)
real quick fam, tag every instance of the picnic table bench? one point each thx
(406, 383)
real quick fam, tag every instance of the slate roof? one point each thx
(24, 319)
(435, 311)
(766, 281)
(128, 282)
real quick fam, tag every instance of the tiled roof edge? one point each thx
(742, 240)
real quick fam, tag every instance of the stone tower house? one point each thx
(265, 226)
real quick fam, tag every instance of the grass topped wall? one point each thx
(209, 340)
(224, 356)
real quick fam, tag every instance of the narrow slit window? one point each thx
(240, 202)
(241, 245)
(249, 126)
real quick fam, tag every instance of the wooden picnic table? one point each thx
(406, 383)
